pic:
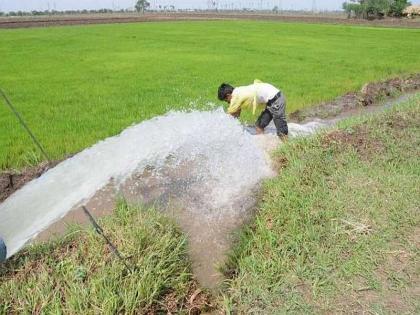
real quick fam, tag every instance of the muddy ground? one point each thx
(44, 21)
(12, 180)
(370, 95)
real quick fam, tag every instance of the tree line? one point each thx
(65, 12)
(140, 6)
(366, 9)
(375, 9)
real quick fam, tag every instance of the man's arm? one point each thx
(236, 114)
(235, 107)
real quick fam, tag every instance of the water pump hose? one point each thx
(3, 250)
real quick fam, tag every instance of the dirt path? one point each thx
(45, 21)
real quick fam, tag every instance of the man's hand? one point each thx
(236, 114)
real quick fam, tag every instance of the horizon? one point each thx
(62, 5)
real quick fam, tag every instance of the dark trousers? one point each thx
(277, 113)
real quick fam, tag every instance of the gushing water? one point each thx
(205, 164)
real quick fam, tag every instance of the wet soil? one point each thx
(196, 302)
(173, 191)
(101, 204)
(12, 180)
(45, 21)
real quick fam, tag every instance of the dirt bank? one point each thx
(43, 21)
(369, 95)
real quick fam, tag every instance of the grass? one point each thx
(338, 228)
(76, 85)
(77, 273)
(337, 231)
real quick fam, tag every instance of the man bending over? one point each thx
(258, 95)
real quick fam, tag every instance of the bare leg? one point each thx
(259, 130)
(263, 121)
(284, 138)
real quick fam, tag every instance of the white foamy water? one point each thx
(230, 163)
(223, 162)
(297, 130)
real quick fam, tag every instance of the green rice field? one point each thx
(76, 85)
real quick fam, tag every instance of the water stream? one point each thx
(201, 167)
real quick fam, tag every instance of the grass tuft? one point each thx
(78, 274)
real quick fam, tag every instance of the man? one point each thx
(259, 94)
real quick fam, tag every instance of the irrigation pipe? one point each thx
(3, 250)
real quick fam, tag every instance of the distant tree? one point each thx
(142, 5)
(2, 13)
(397, 7)
(348, 9)
(374, 9)
(357, 10)
(276, 9)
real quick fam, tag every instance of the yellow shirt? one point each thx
(251, 96)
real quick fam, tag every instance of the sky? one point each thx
(29, 5)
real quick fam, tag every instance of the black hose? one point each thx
(100, 231)
(22, 122)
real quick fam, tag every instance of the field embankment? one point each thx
(300, 17)
(338, 228)
(77, 85)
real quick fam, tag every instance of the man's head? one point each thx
(225, 92)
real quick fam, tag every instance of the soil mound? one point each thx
(370, 94)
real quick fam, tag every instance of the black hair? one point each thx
(224, 90)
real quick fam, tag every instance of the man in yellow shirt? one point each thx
(258, 95)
